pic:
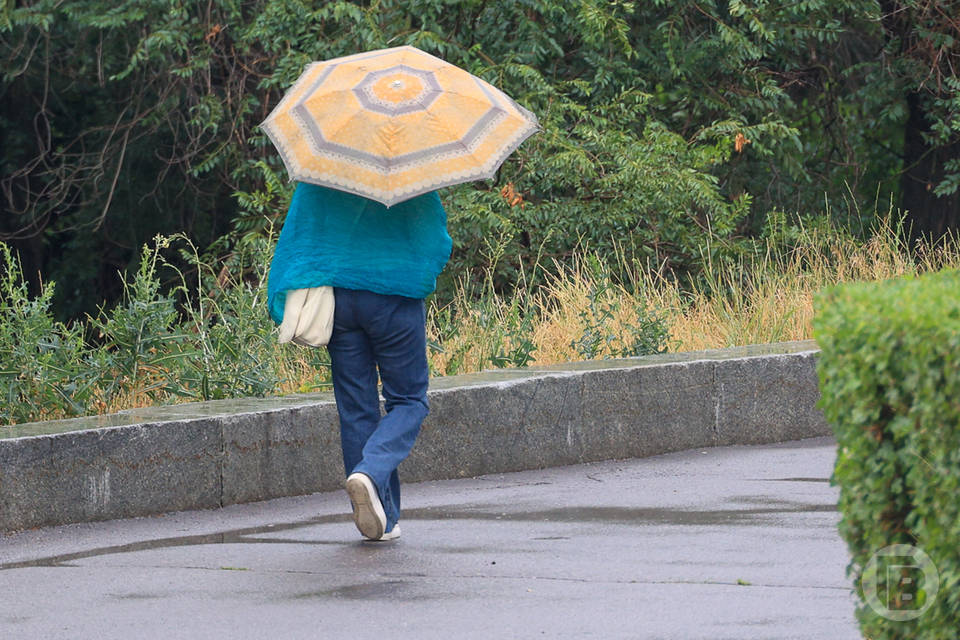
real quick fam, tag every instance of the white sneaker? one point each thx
(393, 534)
(368, 512)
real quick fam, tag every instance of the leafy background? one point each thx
(672, 129)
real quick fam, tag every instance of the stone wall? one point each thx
(210, 454)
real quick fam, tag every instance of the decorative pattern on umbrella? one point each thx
(395, 123)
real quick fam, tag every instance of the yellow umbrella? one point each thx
(393, 124)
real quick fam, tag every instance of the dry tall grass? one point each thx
(578, 312)
(762, 299)
(771, 299)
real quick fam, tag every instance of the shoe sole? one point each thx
(368, 513)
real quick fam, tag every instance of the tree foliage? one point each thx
(670, 128)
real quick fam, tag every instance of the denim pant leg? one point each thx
(354, 373)
(394, 329)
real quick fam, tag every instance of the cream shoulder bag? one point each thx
(308, 317)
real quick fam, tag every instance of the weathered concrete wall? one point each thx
(210, 454)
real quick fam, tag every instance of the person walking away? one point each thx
(382, 262)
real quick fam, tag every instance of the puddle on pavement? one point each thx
(633, 515)
(636, 516)
(236, 536)
(139, 596)
(390, 589)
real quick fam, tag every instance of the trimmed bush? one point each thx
(890, 384)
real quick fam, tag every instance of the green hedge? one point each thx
(890, 380)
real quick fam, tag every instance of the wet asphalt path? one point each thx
(732, 542)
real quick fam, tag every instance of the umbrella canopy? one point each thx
(393, 124)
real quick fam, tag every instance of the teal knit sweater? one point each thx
(342, 240)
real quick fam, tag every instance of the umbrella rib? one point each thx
(458, 141)
(349, 120)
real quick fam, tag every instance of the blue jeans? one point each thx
(374, 332)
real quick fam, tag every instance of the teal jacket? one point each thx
(339, 239)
